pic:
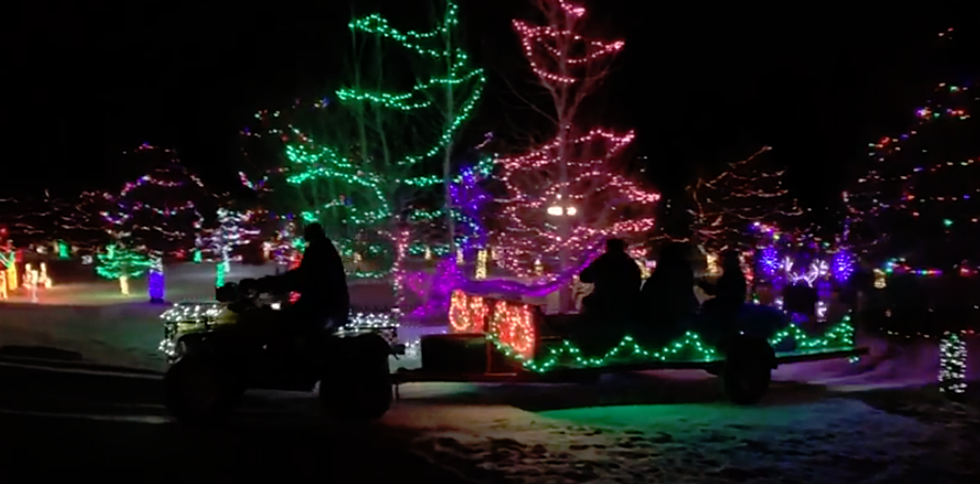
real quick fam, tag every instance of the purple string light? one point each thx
(769, 261)
(843, 266)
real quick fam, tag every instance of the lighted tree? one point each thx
(8, 264)
(368, 163)
(121, 263)
(232, 231)
(429, 291)
(725, 206)
(920, 196)
(564, 198)
(159, 210)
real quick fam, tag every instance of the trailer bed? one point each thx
(571, 374)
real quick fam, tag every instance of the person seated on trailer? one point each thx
(616, 279)
(667, 298)
(320, 280)
(728, 292)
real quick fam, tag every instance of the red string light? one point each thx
(601, 204)
(510, 323)
(742, 194)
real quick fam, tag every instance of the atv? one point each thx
(217, 350)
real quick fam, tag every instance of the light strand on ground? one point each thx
(952, 364)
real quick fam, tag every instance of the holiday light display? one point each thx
(36, 220)
(510, 323)
(432, 289)
(481, 264)
(31, 281)
(563, 198)
(952, 364)
(512, 327)
(377, 164)
(156, 284)
(161, 224)
(470, 200)
(121, 263)
(739, 196)
(229, 234)
(8, 262)
(784, 260)
(919, 194)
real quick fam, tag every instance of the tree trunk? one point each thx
(447, 158)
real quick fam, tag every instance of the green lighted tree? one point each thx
(118, 262)
(367, 164)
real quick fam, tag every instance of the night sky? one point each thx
(701, 84)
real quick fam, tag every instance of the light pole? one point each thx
(564, 214)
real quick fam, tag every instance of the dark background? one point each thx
(703, 84)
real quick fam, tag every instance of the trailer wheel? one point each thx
(357, 384)
(747, 370)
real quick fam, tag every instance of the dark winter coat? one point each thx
(668, 295)
(321, 282)
(616, 277)
(730, 289)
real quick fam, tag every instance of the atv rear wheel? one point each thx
(747, 370)
(358, 384)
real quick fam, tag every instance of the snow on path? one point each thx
(852, 424)
(828, 441)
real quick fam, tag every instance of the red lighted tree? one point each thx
(563, 197)
(728, 204)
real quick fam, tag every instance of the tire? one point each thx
(747, 370)
(357, 386)
(197, 391)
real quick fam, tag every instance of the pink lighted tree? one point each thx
(563, 198)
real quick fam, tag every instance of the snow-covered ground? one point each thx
(675, 427)
(826, 422)
(106, 327)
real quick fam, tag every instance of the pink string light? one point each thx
(601, 204)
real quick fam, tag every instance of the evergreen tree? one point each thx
(366, 162)
(121, 263)
(920, 197)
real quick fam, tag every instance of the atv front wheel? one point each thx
(197, 391)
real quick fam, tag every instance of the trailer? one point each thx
(496, 340)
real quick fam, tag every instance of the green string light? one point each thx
(689, 348)
(369, 201)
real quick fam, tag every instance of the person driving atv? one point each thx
(320, 280)
(617, 280)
